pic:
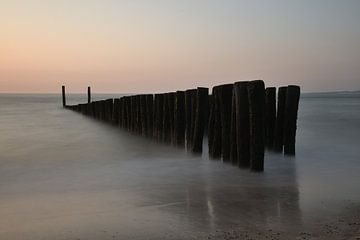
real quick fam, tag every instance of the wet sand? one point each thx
(65, 176)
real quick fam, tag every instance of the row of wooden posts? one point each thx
(240, 120)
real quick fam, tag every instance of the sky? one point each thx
(138, 46)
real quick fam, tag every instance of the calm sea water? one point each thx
(66, 176)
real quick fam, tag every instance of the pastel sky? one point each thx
(165, 45)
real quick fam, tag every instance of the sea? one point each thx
(67, 176)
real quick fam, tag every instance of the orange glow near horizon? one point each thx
(152, 46)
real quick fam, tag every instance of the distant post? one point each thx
(63, 96)
(89, 95)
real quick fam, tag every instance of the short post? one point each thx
(63, 96)
(89, 95)
(256, 91)
(179, 119)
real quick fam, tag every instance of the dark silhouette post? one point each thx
(291, 111)
(279, 128)
(215, 125)
(89, 95)
(201, 114)
(150, 114)
(189, 118)
(270, 115)
(242, 123)
(225, 99)
(256, 91)
(179, 119)
(63, 96)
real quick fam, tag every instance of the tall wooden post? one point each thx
(279, 128)
(63, 96)
(89, 95)
(291, 111)
(225, 100)
(201, 114)
(270, 115)
(215, 133)
(256, 91)
(189, 107)
(179, 119)
(242, 123)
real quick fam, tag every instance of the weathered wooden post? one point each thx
(279, 128)
(158, 121)
(201, 112)
(290, 118)
(149, 114)
(171, 108)
(132, 113)
(256, 91)
(242, 123)
(166, 133)
(143, 115)
(122, 112)
(179, 119)
(155, 115)
(126, 123)
(89, 95)
(211, 122)
(225, 99)
(116, 112)
(270, 116)
(233, 143)
(190, 104)
(63, 96)
(138, 115)
(215, 122)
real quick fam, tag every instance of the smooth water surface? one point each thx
(66, 176)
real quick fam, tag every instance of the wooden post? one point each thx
(89, 95)
(201, 112)
(179, 119)
(242, 123)
(279, 128)
(116, 112)
(215, 136)
(270, 115)
(256, 91)
(171, 108)
(233, 143)
(190, 101)
(291, 112)
(158, 121)
(126, 123)
(225, 99)
(63, 96)
(166, 133)
(143, 115)
(138, 127)
(211, 122)
(121, 112)
(150, 114)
